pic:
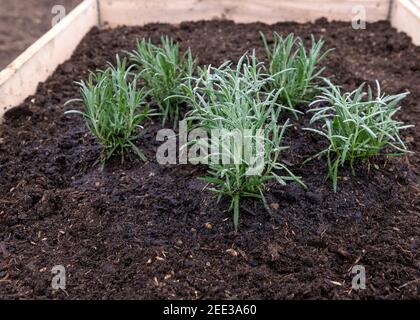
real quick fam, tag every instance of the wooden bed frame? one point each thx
(21, 78)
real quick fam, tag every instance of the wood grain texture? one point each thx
(406, 17)
(20, 78)
(138, 12)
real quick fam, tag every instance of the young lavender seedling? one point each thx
(164, 70)
(357, 126)
(293, 69)
(229, 100)
(113, 109)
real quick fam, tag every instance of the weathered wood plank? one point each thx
(138, 12)
(20, 78)
(406, 17)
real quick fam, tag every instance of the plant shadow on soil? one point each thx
(145, 231)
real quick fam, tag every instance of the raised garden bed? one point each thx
(143, 230)
(139, 230)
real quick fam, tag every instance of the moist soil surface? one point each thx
(145, 231)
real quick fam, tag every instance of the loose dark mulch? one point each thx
(142, 230)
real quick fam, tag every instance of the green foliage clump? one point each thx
(114, 109)
(293, 69)
(164, 71)
(357, 125)
(230, 101)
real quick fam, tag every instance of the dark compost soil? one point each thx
(142, 230)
